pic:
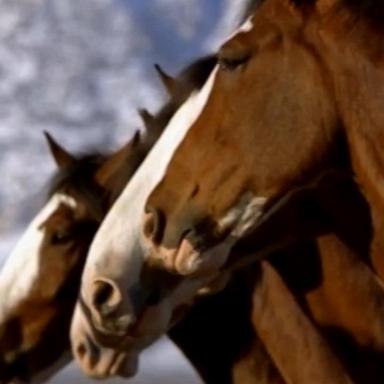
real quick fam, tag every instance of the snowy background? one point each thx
(79, 69)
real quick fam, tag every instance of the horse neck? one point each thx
(351, 47)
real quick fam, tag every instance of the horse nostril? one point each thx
(87, 352)
(81, 350)
(106, 297)
(154, 225)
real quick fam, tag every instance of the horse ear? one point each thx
(119, 160)
(62, 157)
(168, 81)
(147, 118)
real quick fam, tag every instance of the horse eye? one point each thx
(60, 237)
(232, 63)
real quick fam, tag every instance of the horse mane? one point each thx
(79, 179)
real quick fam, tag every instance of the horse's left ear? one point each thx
(62, 157)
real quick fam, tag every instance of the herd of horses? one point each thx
(246, 221)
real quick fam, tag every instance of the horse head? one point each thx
(264, 123)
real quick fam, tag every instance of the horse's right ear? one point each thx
(169, 82)
(62, 157)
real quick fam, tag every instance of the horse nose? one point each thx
(109, 310)
(154, 225)
(106, 297)
(101, 363)
(87, 353)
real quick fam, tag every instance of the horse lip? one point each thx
(132, 336)
(115, 363)
(187, 260)
(115, 331)
(126, 337)
(192, 245)
(134, 339)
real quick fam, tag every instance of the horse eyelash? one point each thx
(231, 64)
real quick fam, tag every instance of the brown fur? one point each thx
(279, 321)
(307, 91)
(94, 181)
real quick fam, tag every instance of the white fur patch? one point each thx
(21, 268)
(247, 26)
(119, 234)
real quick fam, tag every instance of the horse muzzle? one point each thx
(98, 361)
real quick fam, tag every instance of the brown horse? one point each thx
(272, 117)
(302, 269)
(89, 184)
(40, 280)
(37, 302)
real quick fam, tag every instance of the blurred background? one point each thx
(80, 69)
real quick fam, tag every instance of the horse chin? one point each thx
(101, 362)
(125, 366)
(116, 356)
(117, 364)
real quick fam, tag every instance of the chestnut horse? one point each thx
(87, 185)
(273, 115)
(40, 281)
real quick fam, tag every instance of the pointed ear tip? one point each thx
(159, 69)
(49, 138)
(161, 72)
(136, 137)
(144, 113)
(61, 156)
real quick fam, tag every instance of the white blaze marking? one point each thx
(22, 267)
(247, 26)
(119, 234)
(117, 249)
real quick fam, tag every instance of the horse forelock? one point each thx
(78, 180)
